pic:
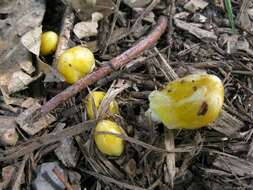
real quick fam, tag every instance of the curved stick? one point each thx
(112, 65)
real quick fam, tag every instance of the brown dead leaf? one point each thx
(85, 8)
(27, 66)
(51, 73)
(31, 40)
(88, 28)
(194, 5)
(23, 16)
(19, 81)
(85, 29)
(136, 3)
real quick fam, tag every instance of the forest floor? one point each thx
(38, 138)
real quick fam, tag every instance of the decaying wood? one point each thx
(234, 165)
(227, 124)
(32, 122)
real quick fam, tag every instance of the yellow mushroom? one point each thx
(48, 43)
(98, 96)
(190, 102)
(75, 63)
(107, 143)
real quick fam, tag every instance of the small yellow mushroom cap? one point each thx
(190, 102)
(49, 41)
(106, 143)
(76, 62)
(98, 96)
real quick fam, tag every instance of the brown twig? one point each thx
(149, 8)
(114, 64)
(62, 179)
(115, 17)
(170, 26)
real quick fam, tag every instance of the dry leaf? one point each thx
(6, 6)
(51, 74)
(31, 40)
(85, 8)
(19, 81)
(22, 17)
(29, 102)
(250, 13)
(96, 16)
(92, 45)
(136, 3)
(235, 44)
(85, 29)
(8, 99)
(194, 5)
(27, 66)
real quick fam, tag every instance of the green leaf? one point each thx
(230, 14)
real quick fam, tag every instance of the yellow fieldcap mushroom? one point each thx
(98, 96)
(190, 102)
(49, 41)
(107, 143)
(76, 62)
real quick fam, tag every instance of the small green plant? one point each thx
(228, 6)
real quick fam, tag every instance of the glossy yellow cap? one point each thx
(98, 96)
(48, 44)
(190, 102)
(106, 143)
(76, 62)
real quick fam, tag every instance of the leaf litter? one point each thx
(198, 40)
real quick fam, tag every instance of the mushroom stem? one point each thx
(171, 157)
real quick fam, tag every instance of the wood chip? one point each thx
(227, 124)
(194, 5)
(196, 31)
(236, 166)
(25, 120)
